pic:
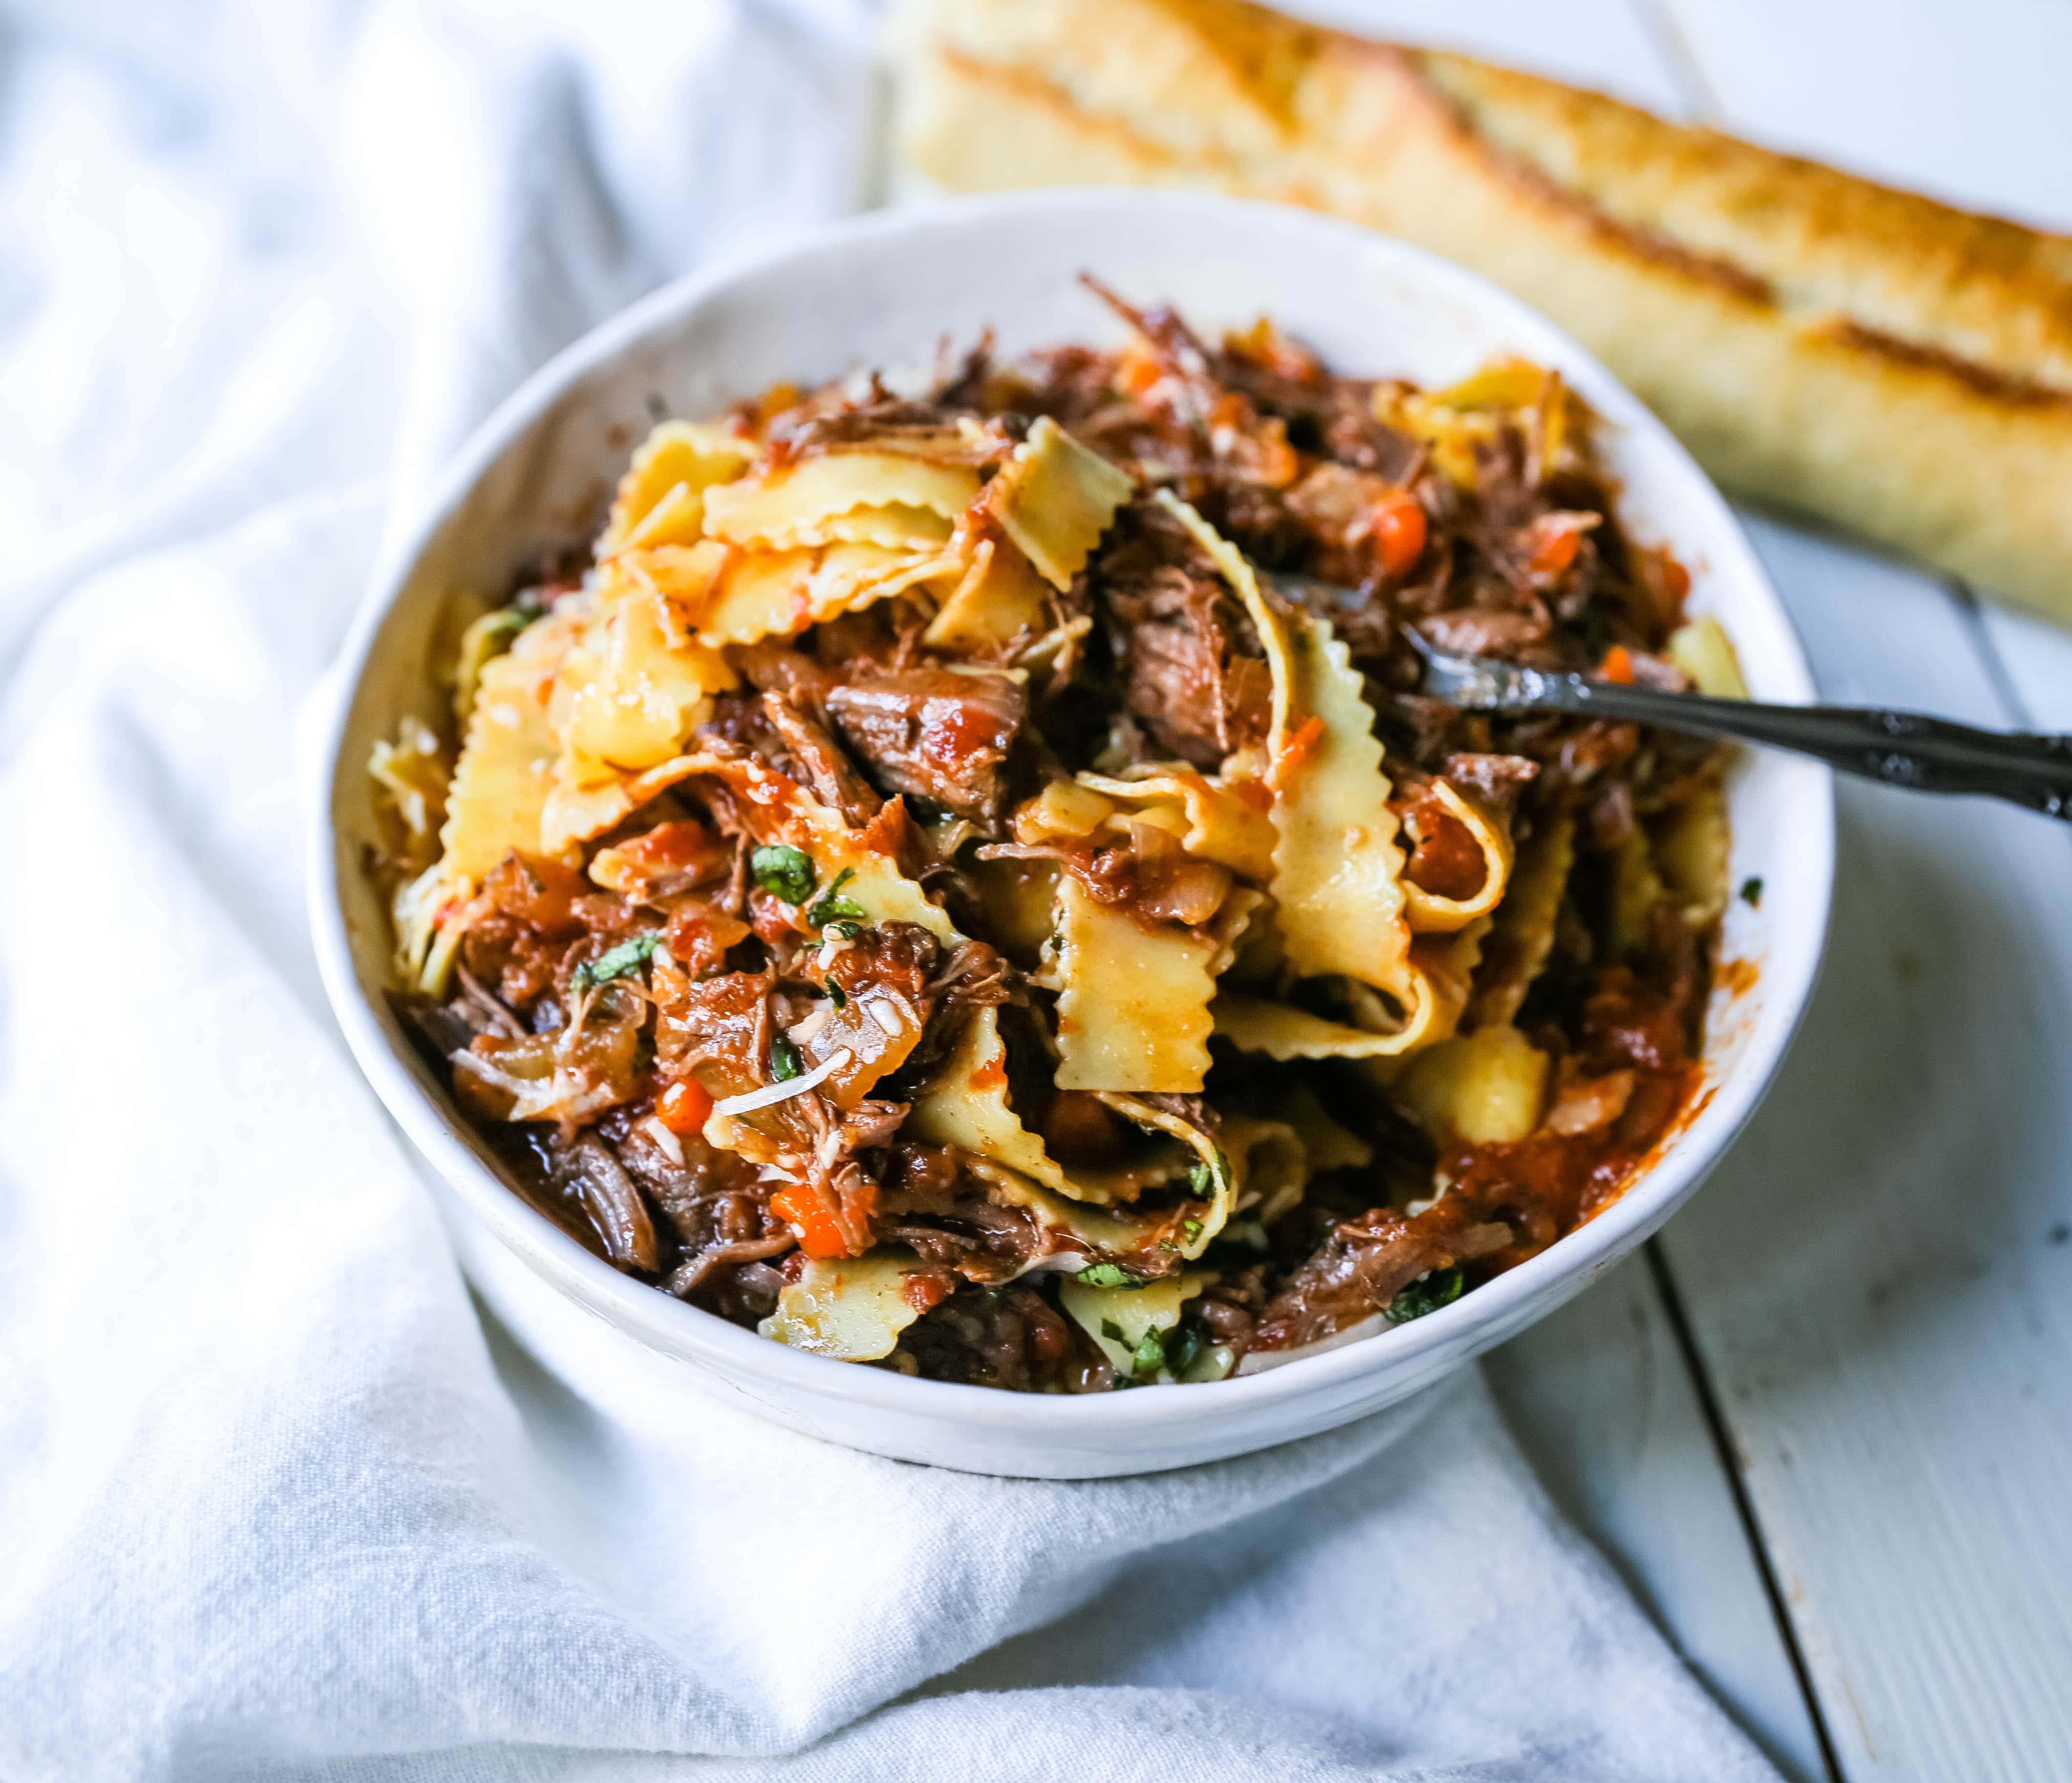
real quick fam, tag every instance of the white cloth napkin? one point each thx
(274, 1502)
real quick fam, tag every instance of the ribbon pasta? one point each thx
(1052, 500)
(1220, 822)
(505, 774)
(999, 598)
(1149, 941)
(1427, 912)
(779, 593)
(1134, 994)
(1522, 934)
(661, 497)
(1055, 499)
(852, 1309)
(873, 498)
(630, 690)
(1133, 1012)
(1691, 852)
(967, 1106)
(1342, 904)
(1338, 876)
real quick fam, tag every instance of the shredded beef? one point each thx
(1365, 1263)
(536, 910)
(1480, 632)
(586, 1171)
(610, 1002)
(818, 759)
(976, 977)
(891, 424)
(1230, 1306)
(1193, 676)
(1193, 1110)
(953, 1218)
(1001, 1337)
(1494, 781)
(686, 1183)
(441, 1030)
(935, 734)
(900, 958)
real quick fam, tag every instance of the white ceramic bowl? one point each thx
(882, 291)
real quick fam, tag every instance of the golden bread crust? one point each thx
(1880, 359)
(1971, 286)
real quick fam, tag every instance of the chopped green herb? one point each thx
(1427, 1294)
(1111, 1331)
(1190, 1229)
(1209, 1175)
(836, 996)
(1752, 893)
(1181, 1347)
(846, 932)
(834, 907)
(784, 1063)
(506, 622)
(1108, 1274)
(617, 962)
(1149, 1356)
(522, 612)
(784, 872)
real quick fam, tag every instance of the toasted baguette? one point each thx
(1883, 361)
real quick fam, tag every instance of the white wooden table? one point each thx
(1823, 1424)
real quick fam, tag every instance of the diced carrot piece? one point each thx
(1400, 533)
(819, 1235)
(1300, 747)
(1135, 371)
(684, 1107)
(1557, 538)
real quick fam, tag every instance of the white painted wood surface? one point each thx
(1872, 1275)
(1966, 102)
(1877, 1284)
(1601, 1397)
(2037, 660)
(1878, 1277)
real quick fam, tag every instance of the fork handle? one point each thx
(1901, 748)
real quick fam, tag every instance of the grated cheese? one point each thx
(801, 1032)
(663, 1137)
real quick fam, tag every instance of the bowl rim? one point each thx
(682, 1331)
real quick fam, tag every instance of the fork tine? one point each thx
(1446, 676)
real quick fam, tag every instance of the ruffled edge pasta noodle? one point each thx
(920, 886)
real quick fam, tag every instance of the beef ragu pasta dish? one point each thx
(958, 875)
